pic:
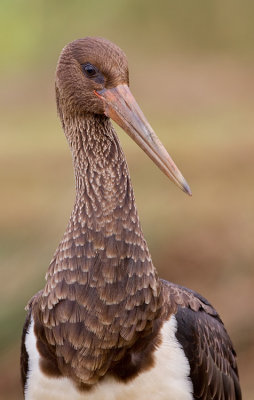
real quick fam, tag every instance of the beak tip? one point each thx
(187, 189)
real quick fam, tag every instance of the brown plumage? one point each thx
(103, 305)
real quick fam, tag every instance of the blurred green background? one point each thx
(191, 70)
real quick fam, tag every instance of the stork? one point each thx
(105, 326)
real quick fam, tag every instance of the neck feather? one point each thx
(102, 265)
(104, 223)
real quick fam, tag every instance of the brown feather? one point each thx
(102, 289)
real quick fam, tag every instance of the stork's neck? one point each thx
(105, 200)
(104, 239)
(104, 193)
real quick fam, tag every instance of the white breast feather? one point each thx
(167, 380)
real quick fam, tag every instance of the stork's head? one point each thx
(92, 78)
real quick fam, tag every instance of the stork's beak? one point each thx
(121, 106)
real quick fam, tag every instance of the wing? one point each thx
(213, 368)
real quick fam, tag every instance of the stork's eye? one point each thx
(93, 73)
(89, 70)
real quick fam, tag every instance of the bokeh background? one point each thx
(191, 70)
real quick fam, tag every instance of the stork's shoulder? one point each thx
(176, 296)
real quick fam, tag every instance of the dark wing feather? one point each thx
(213, 368)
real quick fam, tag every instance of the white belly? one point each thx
(167, 380)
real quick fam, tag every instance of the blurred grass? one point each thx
(191, 66)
